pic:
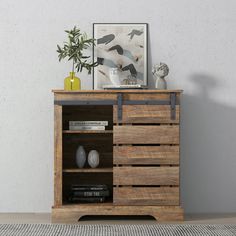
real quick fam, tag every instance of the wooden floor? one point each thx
(46, 218)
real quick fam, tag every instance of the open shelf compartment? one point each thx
(100, 140)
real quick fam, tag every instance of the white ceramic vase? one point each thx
(93, 158)
(80, 157)
(114, 76)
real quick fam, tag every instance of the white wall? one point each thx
(195, 38)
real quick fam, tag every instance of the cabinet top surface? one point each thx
(118, 91)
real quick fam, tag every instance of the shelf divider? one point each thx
(88, 170)
(87, 131)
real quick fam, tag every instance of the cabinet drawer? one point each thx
(146, 175)
(151, 134)
(146, 114)
(145, 155)
(166, 196)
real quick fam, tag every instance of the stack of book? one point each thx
(89, 193)
(87, 125)
(125, 86)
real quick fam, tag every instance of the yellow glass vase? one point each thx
(72, 82)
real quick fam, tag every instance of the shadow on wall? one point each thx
(151, 83)
(208, 153)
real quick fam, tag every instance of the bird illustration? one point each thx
(135, 32)
(118, 48)
(106, 62)
(131, 68)
(103, 73)
(124, 52)
(100, 61)
(106, 39)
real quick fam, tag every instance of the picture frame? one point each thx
(123, 46)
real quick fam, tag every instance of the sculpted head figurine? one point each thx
(160, 70)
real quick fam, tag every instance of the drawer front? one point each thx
(148, 96)
(85, 97)
(142, 134)
(146, 175)
(144, 155)
(165, 196)
(146, 114)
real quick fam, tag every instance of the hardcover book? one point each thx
(87, 199)
(88, 123)
(79, 127)
(101, 193)
(87, 187)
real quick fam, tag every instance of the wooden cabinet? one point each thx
(139, 152)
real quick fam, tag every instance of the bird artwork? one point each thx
(121, 46)
(118, 48)
(107, 62)
(135, 32)
(124, 52)
(106, 39)
(131, 68)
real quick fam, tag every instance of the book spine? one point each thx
(88, 189)
(89, 123)
(97, 187)
(77, 127)
(87, 199)
(90, 193)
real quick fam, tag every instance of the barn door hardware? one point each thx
(119, 107)
(173, 106)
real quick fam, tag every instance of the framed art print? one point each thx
(120, 47)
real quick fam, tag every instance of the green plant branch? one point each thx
(73, 50)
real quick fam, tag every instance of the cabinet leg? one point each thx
(161, 214)
(79, 217)
(66, 217)
(168, 216)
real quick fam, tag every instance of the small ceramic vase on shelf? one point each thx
(93, 158)
(80, 157)
(72, 82)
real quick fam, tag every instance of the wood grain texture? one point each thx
(146, 196)
(143, 189)
(57, 155)
(146, 175)
(146, 114)
(146, 155)
(127, 95)
(147, 96)
(141, 91)
(146, 134)
(72, 213)
(85, 96)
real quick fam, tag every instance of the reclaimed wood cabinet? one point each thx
(139, 152)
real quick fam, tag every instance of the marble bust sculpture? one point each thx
(160, 71)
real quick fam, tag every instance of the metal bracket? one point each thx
(172, 106)
(119, 106)
(172, 102)
(147, 102)
(112, 102)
